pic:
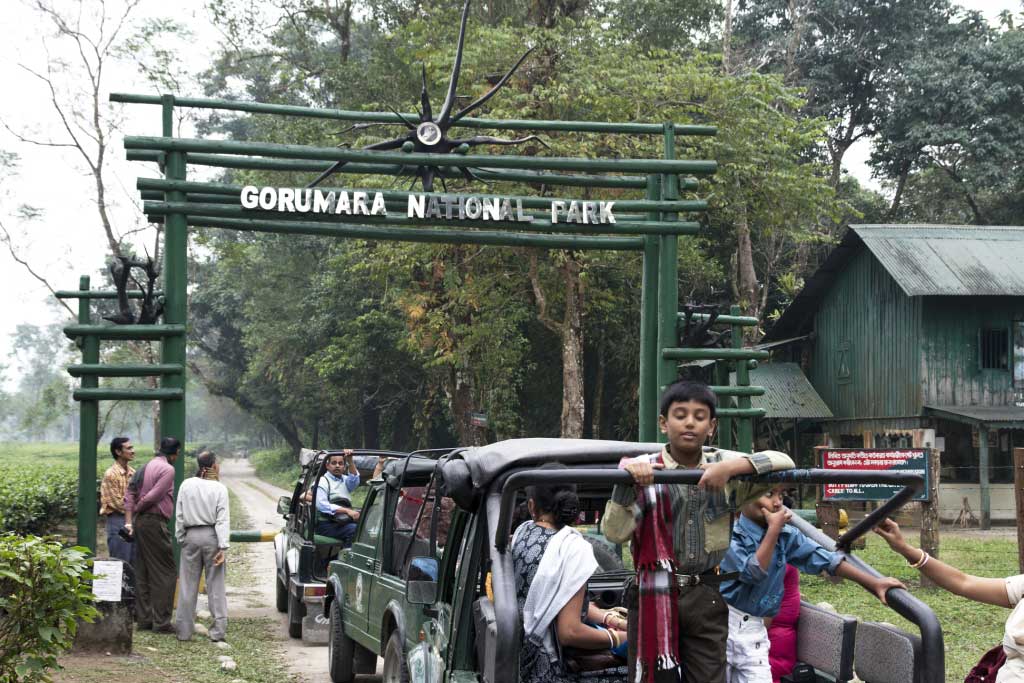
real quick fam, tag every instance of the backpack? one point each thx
(988, 666)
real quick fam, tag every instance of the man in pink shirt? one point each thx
(149, 504)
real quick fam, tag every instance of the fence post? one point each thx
(650, 352)
(172, 348)
(1018, 487)
(930, 512)
(88, 416)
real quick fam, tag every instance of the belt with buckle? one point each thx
(712, 577)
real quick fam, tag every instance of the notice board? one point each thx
(893, 459)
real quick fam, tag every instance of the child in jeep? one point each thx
(679, 535)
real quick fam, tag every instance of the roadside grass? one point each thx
(161, 658)
(970, 628)
(239, 556)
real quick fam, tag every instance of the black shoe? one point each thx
(143, 626)
(166, 628)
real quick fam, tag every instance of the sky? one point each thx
(65, 241)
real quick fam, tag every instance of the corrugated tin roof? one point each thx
(988, 415)
(950, 260)
(925, 260)
(788, 393)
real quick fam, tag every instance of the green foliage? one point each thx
(44, 590)
(279, 467)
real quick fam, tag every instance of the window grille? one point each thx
(994, 350)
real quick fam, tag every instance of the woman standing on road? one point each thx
(553, 563)
(1002, 592)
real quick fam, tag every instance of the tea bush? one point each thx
(44, 590)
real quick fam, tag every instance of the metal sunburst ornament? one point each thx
(430, 135)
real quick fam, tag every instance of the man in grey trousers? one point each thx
(202, 527)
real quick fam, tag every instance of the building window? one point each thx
(994, 350)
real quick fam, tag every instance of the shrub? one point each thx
(34, 499)
(279, 467)
(44, 590)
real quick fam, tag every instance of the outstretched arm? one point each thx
(977, 588)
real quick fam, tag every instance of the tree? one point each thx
(844, 52)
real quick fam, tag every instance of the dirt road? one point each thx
(260, 501)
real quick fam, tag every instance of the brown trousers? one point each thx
(155, 572)
(703, 633)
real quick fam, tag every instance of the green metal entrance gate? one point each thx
(651, 226)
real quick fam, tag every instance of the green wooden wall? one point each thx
(881, 354)
(950, 368)
(868, 333)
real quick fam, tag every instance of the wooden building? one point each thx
(914, 335)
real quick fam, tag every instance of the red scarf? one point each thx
(657, 639)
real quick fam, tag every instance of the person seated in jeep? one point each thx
(335, 516)
(564, 635)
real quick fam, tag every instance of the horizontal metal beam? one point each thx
(126, 370)
(713, 354)
(253, 535)
(332, 154)
(293, 166)
(110, 394)
(124, 331)
(739, 412)
(537, 225)
(745, 321)
(98, 294)
(733, 390)
(389, 117)
(197, 191)
(497, 239)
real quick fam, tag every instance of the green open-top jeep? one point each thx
(429, 586)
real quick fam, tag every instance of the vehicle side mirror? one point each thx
(284, 505)
(421, 586)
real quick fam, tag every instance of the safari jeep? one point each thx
(302, 555)
(428, 583)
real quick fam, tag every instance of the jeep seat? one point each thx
(825, 640)
(885, 654)
(319, 540)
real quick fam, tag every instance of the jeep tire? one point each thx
(340, 648)
(282, 595)
(396, 669)
(296, 610)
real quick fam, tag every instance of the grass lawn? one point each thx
(161, 658)
(970, 628)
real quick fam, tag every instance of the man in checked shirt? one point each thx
(112, 490)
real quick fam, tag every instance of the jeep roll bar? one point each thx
(500, 505)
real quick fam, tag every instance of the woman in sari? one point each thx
(553, 563)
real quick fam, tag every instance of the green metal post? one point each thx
(172, 412)
(983, 477)
(649, 356)
(88, 416)
(724, 423)
(745, 425)
(668, 273)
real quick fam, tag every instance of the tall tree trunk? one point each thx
(598, 400)
(727, 38)
(572, 353)
(897, 198)
(570, 334)
(746, 277)
(460, 388)
(370, 418)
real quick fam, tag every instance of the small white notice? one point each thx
(107, 584)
